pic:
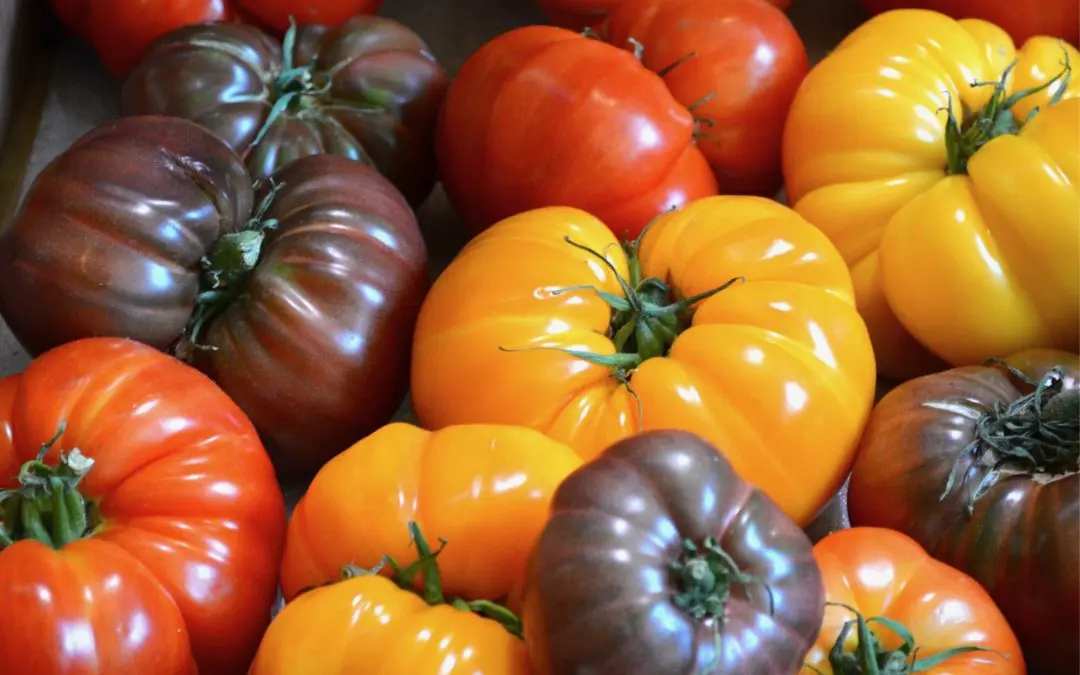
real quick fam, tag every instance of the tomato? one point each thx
(579, 14)
(776, 369)
(658, 558)
(144, 536)
(962, 235)
(121, 31)
(951, 625)
(368, 623)
(1022, 20)
(368, 90)
(298, 298)
(278, 13)
(629, 129)
(485, 489)
(944, 458)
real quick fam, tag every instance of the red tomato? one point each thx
(1022, 19)
(147, 538)
(122, 30)
(276, 13)
(578, 14)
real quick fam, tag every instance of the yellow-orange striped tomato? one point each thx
(913, 147)
(485, 489)
(369, 623)
(544, 321)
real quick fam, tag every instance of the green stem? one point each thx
(996, 118)
(47, 506)
(871, 658)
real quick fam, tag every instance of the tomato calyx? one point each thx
(872, 658)
(996, 118)
(47, 506)
(1037, 435)
(226, 272)
(426, 567)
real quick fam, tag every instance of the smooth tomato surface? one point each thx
(882, 573)
(542, 116)
(1022, 19)
(483, 489)
(179, 570)
(368, 625)
(777, 372)
(276, 13)
(947, 267)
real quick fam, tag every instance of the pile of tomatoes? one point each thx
(635, 385)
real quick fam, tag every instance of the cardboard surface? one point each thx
(81, 95)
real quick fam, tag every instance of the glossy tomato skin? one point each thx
(1022, 528)
(315, 346)
(800, 402)
(579, 14)
(740, 64)
(368, 625)
(1022, 20)
(884, 573)
(181, 573)
(615, 141)
(277, 13)
(953, 268)
(380, 106)
(121, 31)
(600, 591)
(483, 489)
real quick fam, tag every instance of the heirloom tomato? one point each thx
(485, 489)
(140, 521)
(732, 318)
(298, 298)
(279, 13)
(1022, 19)
(580, 14)
(368, 90)
(981, 466)
(121, 31)
(368, 623)
(541, 116)
(892, 605)
(945, 166)
(659, 558)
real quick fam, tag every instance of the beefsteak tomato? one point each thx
(298, 299)
(278, 14)
(485, 489)
(368, 90)
(629, 129)
(981, 466)
(951, 184)
(732, 318)
(658, 558)
(580, 14)
(1021, 19)
(369, 623)
(145, 536)
(890, 603)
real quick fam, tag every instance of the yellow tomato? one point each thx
(776, 370)
(968, 255)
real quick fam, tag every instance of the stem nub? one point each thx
(1037, 435)
(871, 658)
(996, 118)
(47, 506)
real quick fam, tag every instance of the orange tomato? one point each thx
(776, 371)
(368, 624)
(962, 247)
(485, 489)
(883, 573)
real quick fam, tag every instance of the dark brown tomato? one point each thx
(368, 90)
(633, 571)
(1011, 515)
(300, 299)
